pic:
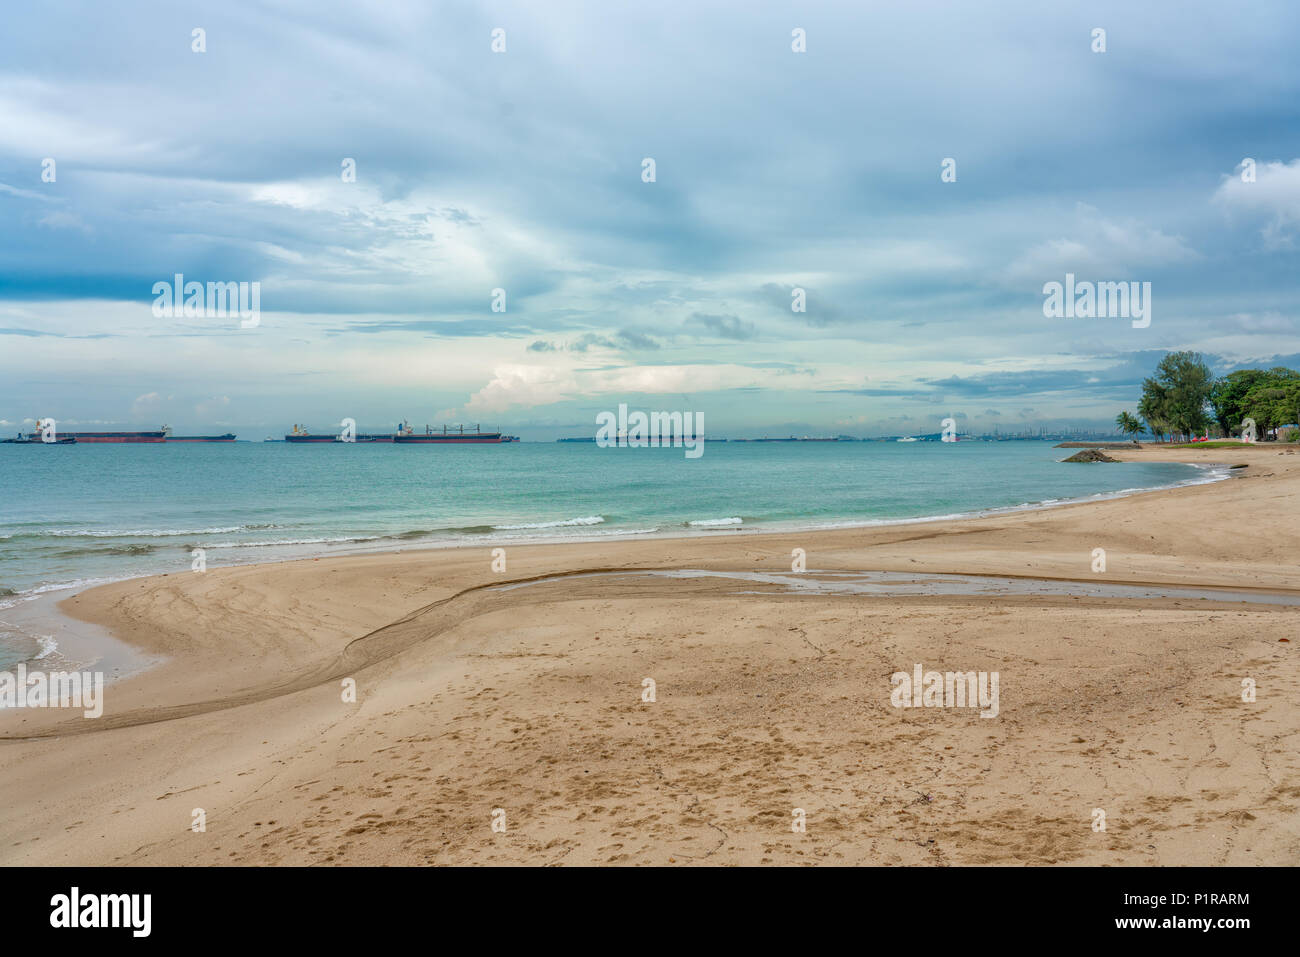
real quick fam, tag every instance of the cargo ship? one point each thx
(119, 437)
(129, 437)
(300, 435)
(408, 436)
(228, 437)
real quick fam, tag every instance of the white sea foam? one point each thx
(708, 522)
(147, 532)
(47, 645)
(625, 531)
(288, 541)
(29, 593)
(589, 520)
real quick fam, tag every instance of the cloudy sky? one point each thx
(522, 171)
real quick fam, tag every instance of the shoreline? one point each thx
(84, 643)
(79, 645)
(101, 635)
(1218, 471)
(472, 696)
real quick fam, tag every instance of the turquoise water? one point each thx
(76, 514)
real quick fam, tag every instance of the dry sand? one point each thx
(471, 698)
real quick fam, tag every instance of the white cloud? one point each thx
(61, 219)
(212, 405)
(1274, 197)
(146, 404)
(1272, 322)
(1101, 248)
(24, 193)
(67, 120)
(532, 385)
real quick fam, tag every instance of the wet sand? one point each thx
(769, 697)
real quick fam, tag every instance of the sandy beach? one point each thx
(471, 697)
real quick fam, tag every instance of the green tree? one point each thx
(1178, 395)
(1129, 424)
(1151, 407)
(1272, 403)
(1229, 394)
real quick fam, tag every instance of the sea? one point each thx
(73, 516)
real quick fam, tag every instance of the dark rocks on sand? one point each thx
(1090, 455)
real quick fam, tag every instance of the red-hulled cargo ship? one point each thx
(130, 437)
(117, 437)
(134, 437)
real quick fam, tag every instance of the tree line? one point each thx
(1184, 400)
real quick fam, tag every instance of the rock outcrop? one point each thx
(1090, 455)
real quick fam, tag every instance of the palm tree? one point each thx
(1129, 424)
